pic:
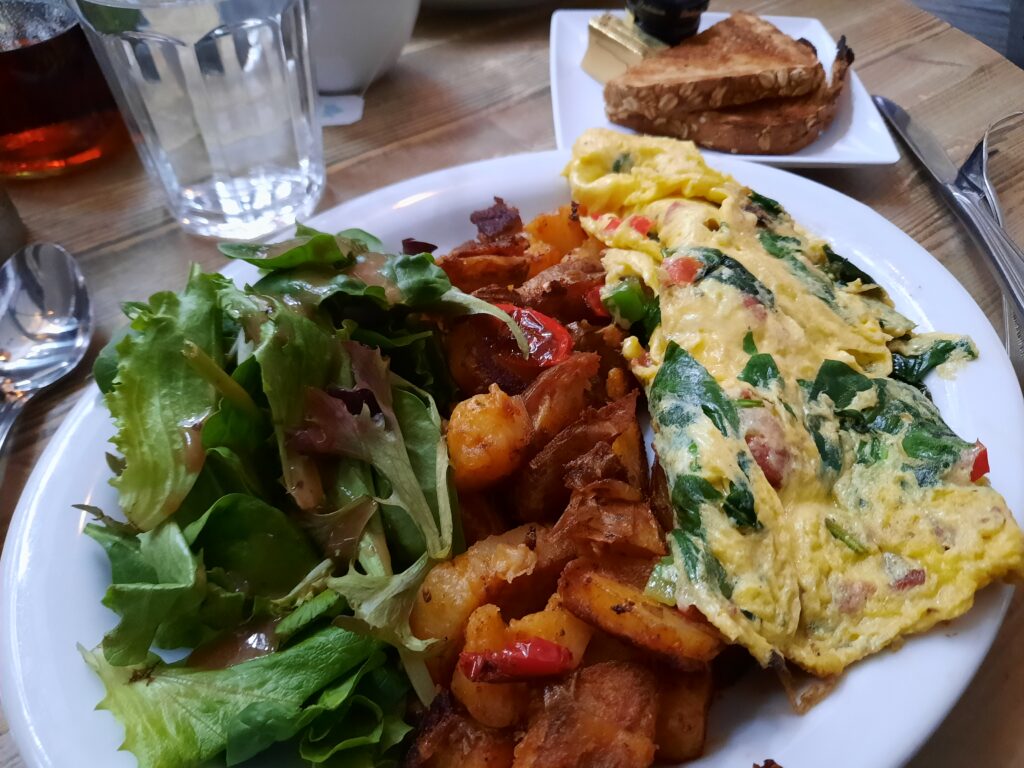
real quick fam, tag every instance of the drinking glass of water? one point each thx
(219, 98)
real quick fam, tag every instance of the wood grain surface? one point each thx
(475, 85)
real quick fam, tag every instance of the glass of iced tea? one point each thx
(56, 112)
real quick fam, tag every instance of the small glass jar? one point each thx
(671, 21)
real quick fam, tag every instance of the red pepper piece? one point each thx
(641, 224)
(593, 299)
(682, 270)
(980, 467)
(613, 223)
(519, 660)
(550, 341)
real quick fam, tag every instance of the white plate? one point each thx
(54, 577)
(857, 136)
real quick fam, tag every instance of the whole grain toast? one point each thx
(768, 127)
(737, 61)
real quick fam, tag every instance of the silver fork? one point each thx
(973, 177)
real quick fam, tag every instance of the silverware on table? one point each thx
(973, 176)
(45, 325)
(969, 192)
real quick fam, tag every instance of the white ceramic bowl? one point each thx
(354, 42)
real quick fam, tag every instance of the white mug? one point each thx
(353, 42)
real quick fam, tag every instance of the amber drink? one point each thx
(56, 111)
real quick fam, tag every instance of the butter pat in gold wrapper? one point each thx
(615, 44)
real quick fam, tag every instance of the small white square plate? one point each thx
(857, 136)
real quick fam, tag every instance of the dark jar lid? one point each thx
(671, 21)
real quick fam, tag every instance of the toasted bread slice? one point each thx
(768, 127)
(737, 61)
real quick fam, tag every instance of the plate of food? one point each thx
(766, 88)
(633, 467)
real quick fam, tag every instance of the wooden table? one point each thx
(476, 86)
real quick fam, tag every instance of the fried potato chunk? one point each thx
(599, 463)
(491, 571)
(622, 609)
(556, 624)
(530, 592)
(558, 396)
(559, 230)
(604, 717)
(630, 448)
(488, 436)
(566, 290)
(451, 591)
(541, 493)
(449, 739)
(497, 705)
(610, 516)
(504, 704)
(683, 714)
(473, 271)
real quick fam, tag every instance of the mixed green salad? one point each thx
(282, 471)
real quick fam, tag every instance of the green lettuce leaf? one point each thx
(295, 353)
(421, 282)
(370, 242)
(312, 286)
(326, 604)
(156, 394)
(156, 582)
(175, 588)
(413, 470)
(223, 472)
(319, 248)
(104, 369)
(178, 716)
(392, 474)
(365, 728)
(253, 542)
(243, 427)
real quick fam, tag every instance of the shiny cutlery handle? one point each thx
(1005, 256)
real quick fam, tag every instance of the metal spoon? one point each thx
(45, 325)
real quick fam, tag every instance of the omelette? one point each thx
(823, 508)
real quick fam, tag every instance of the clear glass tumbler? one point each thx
(220, 99)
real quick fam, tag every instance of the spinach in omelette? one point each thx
(823, 508)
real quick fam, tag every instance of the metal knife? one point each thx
(970, 205)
